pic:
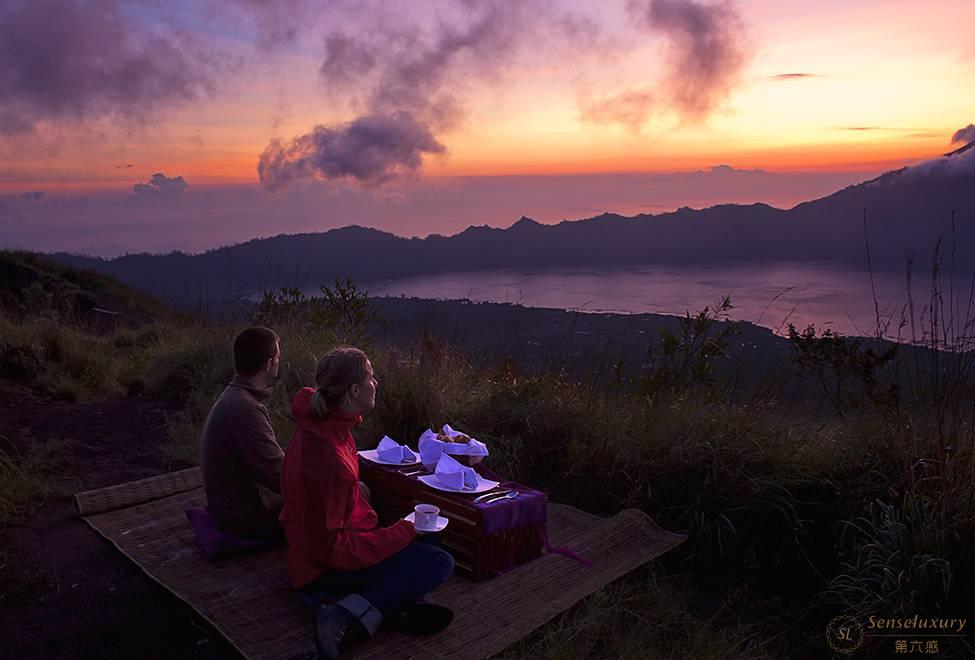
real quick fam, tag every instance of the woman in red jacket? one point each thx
(334, 546)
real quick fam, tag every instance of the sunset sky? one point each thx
(420, 117)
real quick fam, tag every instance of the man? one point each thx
(240, 459)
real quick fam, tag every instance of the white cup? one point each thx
(425, 517)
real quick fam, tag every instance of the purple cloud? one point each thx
(406, 84)
(964, 135)
(34, 196)
(706, 51)
(69, 60)
(960, 162)
(371, 150)
(347, 61)
(160, 186)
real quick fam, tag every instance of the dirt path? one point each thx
(64, 591)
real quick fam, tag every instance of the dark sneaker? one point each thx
(424, 618)
(333, 624)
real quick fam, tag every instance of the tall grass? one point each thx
(26, 479)
(868, 511)
(647, 615)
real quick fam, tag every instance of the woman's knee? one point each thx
(442, 563)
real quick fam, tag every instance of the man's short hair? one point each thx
(253, 347)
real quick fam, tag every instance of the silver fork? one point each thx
(491, 493)
(510, 495)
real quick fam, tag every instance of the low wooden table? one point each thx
(485, 540)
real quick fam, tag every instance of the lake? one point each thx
(771, 295)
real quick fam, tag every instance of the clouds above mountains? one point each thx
(705, 52)
(408, 84)
(371, 150)
(414, 79)
(398, 80)
(74, 60)
(960, 162)
(964, 135)
(160, 186)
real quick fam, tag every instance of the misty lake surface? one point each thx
(771, 295)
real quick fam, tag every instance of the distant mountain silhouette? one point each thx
(908, 210)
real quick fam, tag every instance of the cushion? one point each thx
(216, 544)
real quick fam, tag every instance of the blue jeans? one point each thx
(390, 585)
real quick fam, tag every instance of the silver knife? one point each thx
(490, 494)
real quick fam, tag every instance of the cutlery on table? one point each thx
(490, 494)
(511, 494)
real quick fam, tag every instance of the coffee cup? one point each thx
(425, 517)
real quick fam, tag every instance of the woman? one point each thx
(334, 544)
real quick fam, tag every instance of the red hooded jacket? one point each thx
(329, 525)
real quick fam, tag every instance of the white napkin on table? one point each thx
(431, 448)
(391, 451)
(454, 475)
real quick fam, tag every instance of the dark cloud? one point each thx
(348, 59)
(371, 150)
(70, 60)
(160, 186)
(123, 167)
(35, 196)
(421, 82)
(407, 86)
(706, 51)
(793, 76)
(405, 68)
(964, 135)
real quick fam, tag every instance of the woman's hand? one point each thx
(418, 532)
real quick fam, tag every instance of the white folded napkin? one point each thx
(391, 451)
(431, 448)
(454, 475)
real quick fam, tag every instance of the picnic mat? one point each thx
(250, 601)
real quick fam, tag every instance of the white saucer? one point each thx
(441, 523)
(373, 455)
(482, 485)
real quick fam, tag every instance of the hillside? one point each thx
(767, 482)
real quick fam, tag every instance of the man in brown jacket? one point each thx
(240, 459)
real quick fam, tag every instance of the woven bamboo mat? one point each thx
(249, 600)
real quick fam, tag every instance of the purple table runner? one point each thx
(529, 508)
(511, 526)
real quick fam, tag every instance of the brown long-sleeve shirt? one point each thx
(240, 460)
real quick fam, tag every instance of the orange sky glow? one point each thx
(884, 84)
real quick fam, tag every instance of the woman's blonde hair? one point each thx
(340, 369)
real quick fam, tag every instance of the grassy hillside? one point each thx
(859, 502)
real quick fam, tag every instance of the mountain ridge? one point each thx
(901, 212)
